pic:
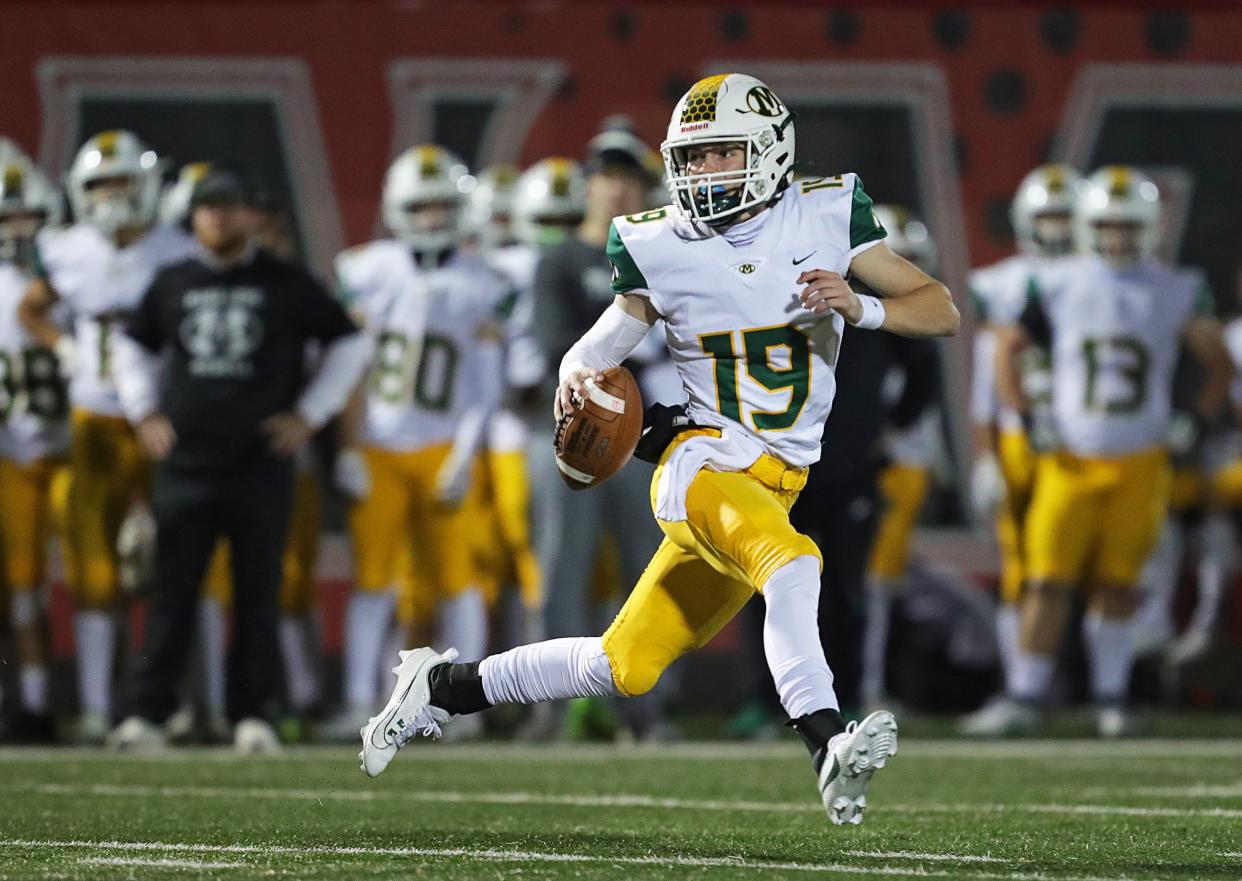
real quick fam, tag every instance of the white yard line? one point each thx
(618, 800)
(167, 864)
(523, 856)
(1191, 790)
(923, 857)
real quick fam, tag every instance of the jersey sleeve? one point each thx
(626, 276)
(865, 228)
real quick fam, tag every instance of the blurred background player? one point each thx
(1003, 475)
(99, 268)
(34, 441)
(433, 308)
(911, 445)
(1113, 319)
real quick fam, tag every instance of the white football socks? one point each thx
(879, 596)
(34, 688)
(95, 634)
(368, 618)
(463, 624)
(547, 671)
(1111, 651)
(791, 639)
(1008, 626)
(212, 635)
(1032, 674)
(297, 651)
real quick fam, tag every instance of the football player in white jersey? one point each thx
(99, 268)
(1004, 469)
(34, 439)
(433, 308)
(748, 273)
(904, 481)
(1114, 320)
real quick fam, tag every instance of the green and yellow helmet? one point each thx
(427, 175)
(115, 154)
(1119, 195)
(1043, 209)
(549, 199)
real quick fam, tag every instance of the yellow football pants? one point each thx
(1094, 521)
(107, 471)
(506, 555)
(33, 499)
(737, 533)
(1017, 462)
(402, 536)
(902, 491)
(297, 586)
(1226, 485)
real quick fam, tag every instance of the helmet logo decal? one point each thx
(761, 100)
(13, 180)
(1119, 181)
(560, 178)
(428, 162)
(701, 100)
(107, 142)
(1056, 180)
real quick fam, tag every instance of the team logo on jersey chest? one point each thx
(746, 268)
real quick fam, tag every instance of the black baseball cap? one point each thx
(617, 147)
(222, 185)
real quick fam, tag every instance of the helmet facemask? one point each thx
(719, 199)
(1118, 242)
(1052, 233)
(113, 202)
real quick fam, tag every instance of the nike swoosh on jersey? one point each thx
(804, 259)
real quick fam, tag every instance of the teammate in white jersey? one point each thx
(729, 268)
(1004, 471)
(99, 269)
(433, 308)
(1114, 320)
(34, 437)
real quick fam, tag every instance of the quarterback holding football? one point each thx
(748, 271)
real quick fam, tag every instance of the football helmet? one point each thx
(722, 109)
(27, 203)
(1118, 215)
(1043, 208)
(419, 181)
(491, 205)
(907, 236)
(175, 200)
(549, 199)
(114, 154)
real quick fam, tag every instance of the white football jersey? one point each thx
(746, 350)
(999, 293)
(34, 403)
(429, 326)
(101, 283)
(1116, 335)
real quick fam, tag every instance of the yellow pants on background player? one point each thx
(737, 533)
(1094, 521)
(297, 586)
(502, 545)
(401, 516)
(1017, 463)
(33, 499)
(107, 472)
(902, 491)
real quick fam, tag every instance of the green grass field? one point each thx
(1032, 810)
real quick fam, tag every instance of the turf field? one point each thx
(1032, 810)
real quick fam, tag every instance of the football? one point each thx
(597, 439)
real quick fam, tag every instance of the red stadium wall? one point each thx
(1008, 67)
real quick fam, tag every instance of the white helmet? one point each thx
(491, 205)
(729, 108)
(907, 236)
(115, 154)
(24, 190)
(175, 200)
(427, 175)
(10, 151)
(549, 197)
(1051, 192)
(1119, 194)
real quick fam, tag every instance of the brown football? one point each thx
(597, 439)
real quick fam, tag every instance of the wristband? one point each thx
(872, 313)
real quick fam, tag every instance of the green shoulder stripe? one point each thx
(980, 305)
(1033, 294)
(1205, 305)
(626, 276)
(37, 268)
(864, 225)
(505, 306)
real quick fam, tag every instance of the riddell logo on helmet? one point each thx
(694, 127)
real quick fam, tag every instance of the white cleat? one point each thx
(853, 757)
(255, 737)
(1000, 717)
(408, 711)
(138, 735)
(1114, 722)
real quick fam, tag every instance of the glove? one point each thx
(66, 352)
(350, 474)
(987, 487)
(661, 424)
(452, 483)
(135, 547)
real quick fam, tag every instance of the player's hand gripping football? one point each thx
(828, 290)
(572, 392)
